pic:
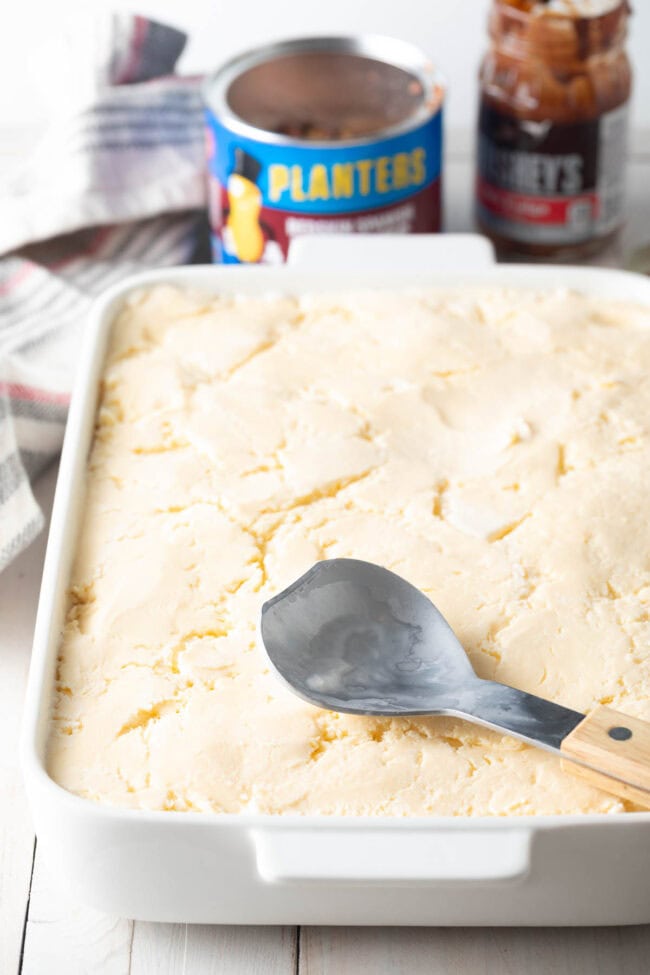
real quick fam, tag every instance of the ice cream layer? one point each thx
(491, 446)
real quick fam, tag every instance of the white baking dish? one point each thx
(258, 869)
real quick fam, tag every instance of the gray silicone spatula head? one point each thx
(352, 636)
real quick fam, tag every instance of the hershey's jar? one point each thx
(555, 85)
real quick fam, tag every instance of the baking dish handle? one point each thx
(387, 856)
(388, 252)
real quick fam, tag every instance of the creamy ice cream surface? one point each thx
(491, 446)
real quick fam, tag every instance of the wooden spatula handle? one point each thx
(618, 747)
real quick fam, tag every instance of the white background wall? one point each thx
(452, 32)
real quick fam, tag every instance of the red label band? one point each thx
(275, 228)
(541, 210)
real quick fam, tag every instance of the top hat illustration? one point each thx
(246, 165)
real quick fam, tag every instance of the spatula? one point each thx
(351, 636)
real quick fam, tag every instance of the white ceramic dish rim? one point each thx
(322, 264)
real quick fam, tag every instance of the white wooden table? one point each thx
(42, 932)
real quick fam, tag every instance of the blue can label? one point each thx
(263, 194)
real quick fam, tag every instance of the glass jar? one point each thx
(555, 84)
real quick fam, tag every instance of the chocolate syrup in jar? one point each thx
(555, 84)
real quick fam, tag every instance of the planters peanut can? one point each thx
(326, 134)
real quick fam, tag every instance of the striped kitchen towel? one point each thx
(116, 186)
